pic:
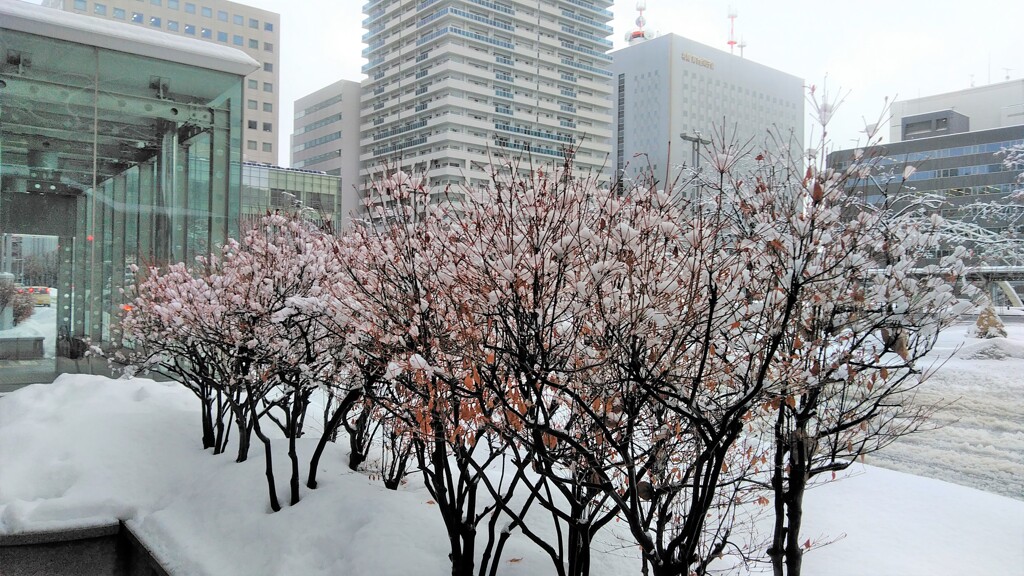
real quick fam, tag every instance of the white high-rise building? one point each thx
(453, 82)
(673, 93)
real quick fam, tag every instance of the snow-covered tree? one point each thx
(988, 324)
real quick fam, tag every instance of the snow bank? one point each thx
(991, 349)
(88, 450)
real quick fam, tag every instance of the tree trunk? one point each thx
(777, 550)
(271, 484)
(329, 430)
(799, 461)
(294, 424)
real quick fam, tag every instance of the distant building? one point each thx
(315, 194)
(251, 30)
(326, 137)
(453, 83)
(962, 169)
(672, 92)
(991, 106)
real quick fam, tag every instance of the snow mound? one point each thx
(991, 349)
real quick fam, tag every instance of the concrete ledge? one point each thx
(103, 550)
(21, 347)
(32, 538)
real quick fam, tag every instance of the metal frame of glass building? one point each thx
(123, 144)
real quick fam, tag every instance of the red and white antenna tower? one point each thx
(732, 29)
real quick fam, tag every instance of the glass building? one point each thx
(125, 147)
(312, 192)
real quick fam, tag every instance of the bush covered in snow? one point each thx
(547, 349)
(989, 324)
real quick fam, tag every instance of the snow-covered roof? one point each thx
(52, 23)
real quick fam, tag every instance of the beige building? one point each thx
(326, 137)
(251, 30)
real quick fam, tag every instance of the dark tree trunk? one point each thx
(271, 484)
(359, 444)
(330, 430)
(777, 550)
(209, 439)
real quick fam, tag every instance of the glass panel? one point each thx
(114, 160)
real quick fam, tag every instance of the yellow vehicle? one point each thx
(40, 294)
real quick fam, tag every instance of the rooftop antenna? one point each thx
(972, 80)
(1007, 72)
(732, 29)
(640, 34)
(742, 45)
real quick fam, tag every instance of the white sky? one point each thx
(869, 49)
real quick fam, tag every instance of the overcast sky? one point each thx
(866, 49)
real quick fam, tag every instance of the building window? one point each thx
(268, 87)
(237, 40)
(222, 37)
(222, 16)
(190, 8)
(254, 23)
(268, 26)
(137, 17)
(268, 126)
(172, 4)
(250, 144)
(268, 66)
(238, 20)
(154, 22)
(252, 105)
(190, 29)
(206, 33)
(207, 12)
(268, 106)
(172, 25)
(100, 9)
(156, 2)
(253, 84)
(254, 44)
(119, 13)
(251, 124)
(268, 147)
(267, 46)
(80, 5)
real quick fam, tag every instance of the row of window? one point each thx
(252, 145)
(255, 105)
(188, 29)
(254, 84)
(190, 8)
(267, 126)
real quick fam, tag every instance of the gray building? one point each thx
(326, 138)
(672, 91)
(991, 106)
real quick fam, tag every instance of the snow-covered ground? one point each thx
(87, 450)
(42, 322)
(980, 439)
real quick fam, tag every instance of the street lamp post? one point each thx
(696, 141)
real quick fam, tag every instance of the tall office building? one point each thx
(326, 137)
(452, 82)
(251, 30)
(672, 93)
